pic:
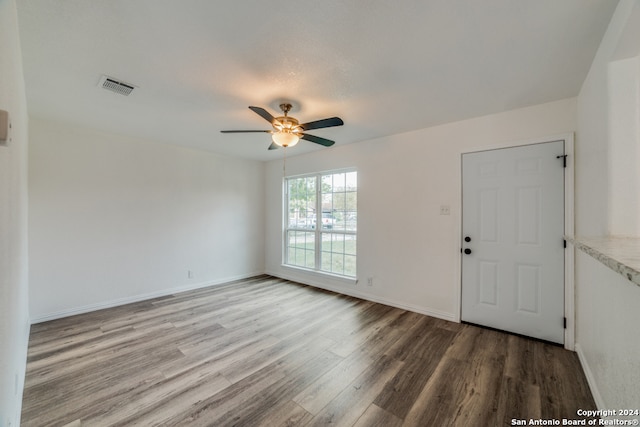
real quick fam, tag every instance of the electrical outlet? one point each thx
(369, 281)
(189, 274)
(445, 210)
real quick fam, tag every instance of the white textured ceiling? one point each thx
(383, 66)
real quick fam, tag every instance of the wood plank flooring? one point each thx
(268, 352)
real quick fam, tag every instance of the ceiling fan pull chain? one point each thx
(284, 162)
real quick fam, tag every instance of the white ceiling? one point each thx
(384, 67)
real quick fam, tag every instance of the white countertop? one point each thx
(621, 254)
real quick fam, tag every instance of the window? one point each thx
(321, 222)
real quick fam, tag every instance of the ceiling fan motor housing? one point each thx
(286, 122)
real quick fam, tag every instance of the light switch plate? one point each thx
(4, 127)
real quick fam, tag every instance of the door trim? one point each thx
(569, 283)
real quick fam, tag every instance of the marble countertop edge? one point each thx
(621, 254)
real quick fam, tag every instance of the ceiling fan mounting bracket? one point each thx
(285, 107)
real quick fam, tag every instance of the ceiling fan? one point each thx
(287, 131)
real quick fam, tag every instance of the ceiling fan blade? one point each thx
(317, 139)
(324, 123)
(245, 131)
(273, 146)
(264, 114)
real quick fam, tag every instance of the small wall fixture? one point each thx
(4, 127)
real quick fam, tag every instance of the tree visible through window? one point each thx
(321, 222)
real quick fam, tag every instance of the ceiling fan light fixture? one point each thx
(287, 131)
(285, 138)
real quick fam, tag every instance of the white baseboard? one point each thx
(164, 292)
(136, 298)
(590, 378)
(368, 297)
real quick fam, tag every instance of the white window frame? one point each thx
(318, 230)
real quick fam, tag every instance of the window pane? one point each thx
(326, 242)
(302, 202)
(350, 244)
(293, 220)
(339, 182)
(291, 255)
(338, 243)
(300, 248)
(351, 201)
(327, 183)
(327, 201)
(337, 263)
(350, 265)
(341, 224)
(351, 181)
(310, 259)
(339, 202)
(338, 253)
(325, 261)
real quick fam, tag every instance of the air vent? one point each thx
(116, 86)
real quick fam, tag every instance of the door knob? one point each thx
(467, 251)
(467, 239)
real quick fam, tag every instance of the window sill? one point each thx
(333, 279)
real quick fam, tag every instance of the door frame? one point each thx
(569, 283)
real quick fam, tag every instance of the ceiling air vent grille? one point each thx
(116, 86)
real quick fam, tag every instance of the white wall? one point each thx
(115, 218)
(608, 179)
(410, 250)
(623, 78)
(14, 314)
(607, 199)
(607, 333)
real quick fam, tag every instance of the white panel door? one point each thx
(512, 229)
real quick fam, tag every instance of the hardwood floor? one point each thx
(265, 351)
